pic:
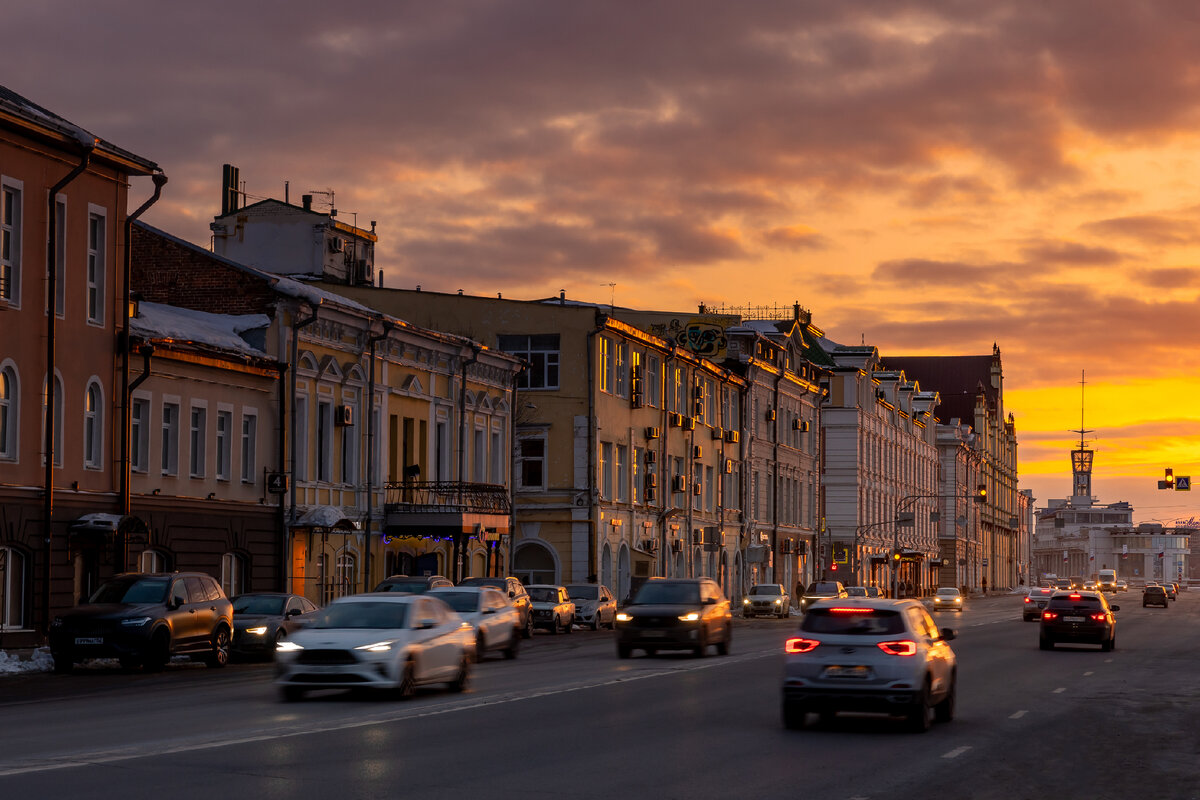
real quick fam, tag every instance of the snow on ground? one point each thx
(11, 664)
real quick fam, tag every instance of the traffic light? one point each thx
(895, 556)
(1170, 477)
(981, 493)
(833, 567)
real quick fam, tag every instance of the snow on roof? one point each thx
(224, 331)
(311, 294)
(322, 517)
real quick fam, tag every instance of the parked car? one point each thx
(412, 584)
(1172, 591)
(377, 641)
(767, 599)
(675, 614)
(821, 590)
(881, 656)
(489, 613)
(1035, 601)
(516, 594)
(261, 620)
(947, 598)
(1155, 595)
(1078, 617)
(145, 619)
(595, 605)
(552, 607)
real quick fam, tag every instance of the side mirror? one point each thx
(1114, 608)
(291, 612)
(511, 593)
(425, 624)
(489, 611)
(948, 634)
(710, 601)
(174, 603)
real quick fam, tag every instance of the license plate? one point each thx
(1074, 619)
(89, 640)
(654, 634)
(846, 672)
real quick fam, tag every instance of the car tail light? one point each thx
(1099, 617)
(850, 610)
(1075, 596)
(1050, 615)
(1027, 600)
(796, 645)
(901, 648)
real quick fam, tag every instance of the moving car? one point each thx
(552, 607)
(490, 614)
(1035, 601)
(874, 591)
(1078, 617)
(821, 590)
(1172, 591)
(1122, 585)
(261, 620)
(881, 656)
(1155, 595)
(766, 599)
(595, 605)
(856, 591)
(412, 584)
(675, 614)
(145, 619)
(947, 598)
(516, 594)
(376, 640)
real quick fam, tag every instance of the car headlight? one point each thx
(259, 631)
(135, 622)
(377, 647)
(287, 646)
(779, 602)
(958, 599)
(623, 617)
(746, 601)
(692, 617)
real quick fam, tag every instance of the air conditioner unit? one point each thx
(718, 433)
(343, 415)
(336, 244)
(697, 452)
(770, 415)
(699, 408)
(362, 272)
(697, 537)
(678, 484)
(653, 432)
(651, 479)
(729, 466)
(651, 456)
(689, 423)
(676, 545)
(675, 420)
(732, 436)
(648, 545)
(697, 489)
(785, 547)
(635, 399)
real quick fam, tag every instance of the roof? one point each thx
(958, 379)
(219, 331)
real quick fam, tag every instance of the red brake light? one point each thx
(1050, 615)
(800, 645)
(850, 610)
(1099, 617)
(901, 648)
(1075, 596)
(1027, 600)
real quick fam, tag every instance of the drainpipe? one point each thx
(371, 460)
(160, 180)
(591, 451)
(146, 351)
(462, 453)
(775, 485)
(51, 290)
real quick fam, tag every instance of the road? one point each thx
(568, 719)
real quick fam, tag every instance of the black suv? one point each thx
(675, 614)
(516, 594)
(144, 619)
(1154, 596)
(411, 584)
(822, 590)
(1083, 616)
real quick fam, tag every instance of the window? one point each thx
(677, 473)
(198, 439)
(350, 448)
(139, 435)
(301, 422)
(93, 427)
(224, 445)
(634, 475)
(531, 467)
(710, 406)
(10, 243)
(9, 416)
(679, 398)
(607, 361)
(498, 471)
(249, 440)
(57, 420)
(95, 269)
(709, 490)
(153, 561)
(170, 439)
(621, 370)
(324, 441)
(479, 457)
(12, 589)
(606, 478)
(652, 385)
(622, 471)
(542, 353)
(233, 574)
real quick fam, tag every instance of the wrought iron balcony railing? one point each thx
(447, 497)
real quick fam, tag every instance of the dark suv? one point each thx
(144, 619)
(1154, 596)
(412, 584)
(1081, 616)
(675, 614)
(516, 594)
(822, 590)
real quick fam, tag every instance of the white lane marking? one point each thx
(287, 727)
(1060, 690)
(1108, 661)
(956, 752)
(1018, 714)
(1088, 673)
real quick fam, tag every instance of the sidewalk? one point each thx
(21, 660)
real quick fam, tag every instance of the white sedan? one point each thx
(595, 605)
(379, 641)
(947, 598)
(492, 616)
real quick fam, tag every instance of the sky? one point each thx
(931, 178)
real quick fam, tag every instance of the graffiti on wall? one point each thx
(699, 335)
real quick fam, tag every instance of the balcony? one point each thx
(445, 508)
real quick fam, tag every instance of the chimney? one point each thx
(306, 199)
(229, 189)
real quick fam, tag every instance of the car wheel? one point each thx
(826, 718)
(1045, 644)
(407, 685)
(510, 652)
(918, 717)
(596, 622)
(556, 626)
(158, 652)
(701, 649)
(527, 632)
(291, 694)
(651, 652)
(459, 684)
(724, 644)
(64, 663)
(1108, 644)
(219, 656)
(570, 625)
(624, 651)
(480, 647)
(129, 662)
(280, 635)
(785, 613)
(794, 715)
(944, 711)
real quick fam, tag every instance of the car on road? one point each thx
(261, 620)
(1063, 584)
(412, 584)
(1091, 586)
(867, 655)
(822, 590)
(856, 591)
(1035, 601)
(1078, 617)
(874, 591)
(1172, 591)
(947, 598)
(766, 600)
(145, 619)
(1122, 585)
(552, 607)
(1155, 595)
(675, 614)
(595, 605)
(516, 593)
(489, 613)
(377, 640)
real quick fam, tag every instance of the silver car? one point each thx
(867, 655)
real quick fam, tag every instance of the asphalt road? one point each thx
(568, 719)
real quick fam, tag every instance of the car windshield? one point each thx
(259, 604)
(1082, 602)
(768, 589)
(465, 602)
(948, 592)
(585, 592)
(660, 593)
(498, 582)
(132, 590)
(1155, 590)
(856, 622)
(415, 586)
(823, 587)
(856, 591)
(363, 615)
(543, 594)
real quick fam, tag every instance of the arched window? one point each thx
(93, 426)
(12, 589)
(58, 420)
(233, 574)
(347, 574)
(154, 561)
(10, 417)
(534, 563)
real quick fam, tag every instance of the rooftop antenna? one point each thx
(612, 300)
(1081, 459)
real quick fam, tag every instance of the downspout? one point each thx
(371, 460)
(775, 485)
(593, 536)
(462, 453)
(146, 351)
(512, 478)
(52, 315)
(160, 180)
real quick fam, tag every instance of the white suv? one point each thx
(884, 656)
